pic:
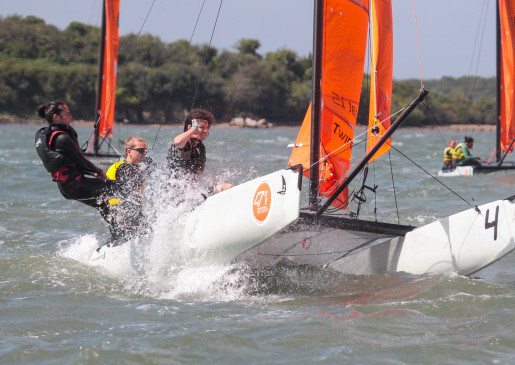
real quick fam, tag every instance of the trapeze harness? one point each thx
(55, 162)
(67, 166)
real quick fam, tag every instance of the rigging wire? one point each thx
(480, 29)
(394, 191)
(471, 83)
(350, 144)
(356, 142)
(375, 192)
(435, 123)
(120, 75)
(179, 71)
(339, 150)
(207, 53)
(203, 63)
(431, 175)
(418, 45)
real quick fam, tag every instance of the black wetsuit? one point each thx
(128, 218)
(70, 177)
(187, 164)
(188, 161)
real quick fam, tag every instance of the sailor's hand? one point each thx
(146, 163)
(194, 124)
(221, 187)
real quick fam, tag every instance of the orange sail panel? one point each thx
(301, 149)
(507, 19)
(345, 29)
(112, 11)
(381, 75)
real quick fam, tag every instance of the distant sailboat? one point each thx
(99, 148)
(505, 123)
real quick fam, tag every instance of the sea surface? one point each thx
(56, 309)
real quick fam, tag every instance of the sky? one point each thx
(455, 37)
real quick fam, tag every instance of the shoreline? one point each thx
(451, 127)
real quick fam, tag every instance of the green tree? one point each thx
(248, 46)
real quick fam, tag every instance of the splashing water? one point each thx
(165, 263)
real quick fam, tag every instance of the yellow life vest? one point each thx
(447, 154)
(458, 153)
(111, 174)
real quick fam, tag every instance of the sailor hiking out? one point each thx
(58, 148)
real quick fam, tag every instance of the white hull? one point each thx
(227, 224)
(463, 243)
(458, 171)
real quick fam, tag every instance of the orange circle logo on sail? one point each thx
(262, 202)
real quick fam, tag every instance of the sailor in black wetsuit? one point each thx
(59, 150)
(187, 155)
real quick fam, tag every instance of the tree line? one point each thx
(158, 82)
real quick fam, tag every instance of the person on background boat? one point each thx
(462, 156)
(447, 155)
(126, 207)
(187, 155)
(58, 148)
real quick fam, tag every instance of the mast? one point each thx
(316, 101)
(498, 80)
(100, 80)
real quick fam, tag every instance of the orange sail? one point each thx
(301, 149)
(507, 113)
(345, 26)
(381, 75)
(112, 11)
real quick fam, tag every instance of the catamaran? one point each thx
(463, 243)
(505, 123)
(261, 222)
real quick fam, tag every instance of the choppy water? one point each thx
(56, 309)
